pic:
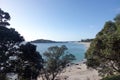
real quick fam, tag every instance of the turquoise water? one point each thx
(78, 50)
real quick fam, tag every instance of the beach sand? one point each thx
(79, 71)
(87, 44)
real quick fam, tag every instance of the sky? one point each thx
(60, 20)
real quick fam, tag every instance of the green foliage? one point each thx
(3, 77)
(86, 40)
(9, 35)
(8, 39)
(117, 19)
(31, 60)
(4, 17)
(114, 77)
(16, 57)
(55, 61)
(104, 51)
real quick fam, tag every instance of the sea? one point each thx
(77, 49)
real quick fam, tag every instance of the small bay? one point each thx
(77, 49)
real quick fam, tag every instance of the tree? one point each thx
(8, 39)
(55, 61)
(86, 40)
(3, 77)
(4, 17)
(104, 51)
(32, 61)
(16, 57)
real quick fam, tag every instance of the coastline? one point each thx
(79, 70)
(86, 44)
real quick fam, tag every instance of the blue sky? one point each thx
(61, 20)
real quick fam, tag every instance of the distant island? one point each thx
(46, 41)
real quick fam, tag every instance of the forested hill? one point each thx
(86, 40)
(45, 41)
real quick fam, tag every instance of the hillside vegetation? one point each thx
(104, 51)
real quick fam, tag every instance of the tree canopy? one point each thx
(55, 61)
(4, 17)
(16, 57)
(104, 51)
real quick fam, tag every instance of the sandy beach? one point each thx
(87, 44)
(78, 71)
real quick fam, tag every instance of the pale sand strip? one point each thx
(87, 44)
(79, 72)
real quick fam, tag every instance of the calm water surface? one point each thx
(78, 50)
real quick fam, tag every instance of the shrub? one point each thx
(114, 77)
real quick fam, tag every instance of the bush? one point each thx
(2, 77)
(104, 51)
(114, 77)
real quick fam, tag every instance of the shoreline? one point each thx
(86, 44)
(79, 70)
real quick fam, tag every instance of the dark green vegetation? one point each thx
(3, 76)
(4, 17)
(21, 58)
(55, 61)
(114, 77)
(104, 51)
(86, 40)
(45, 41)
(15, 57)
